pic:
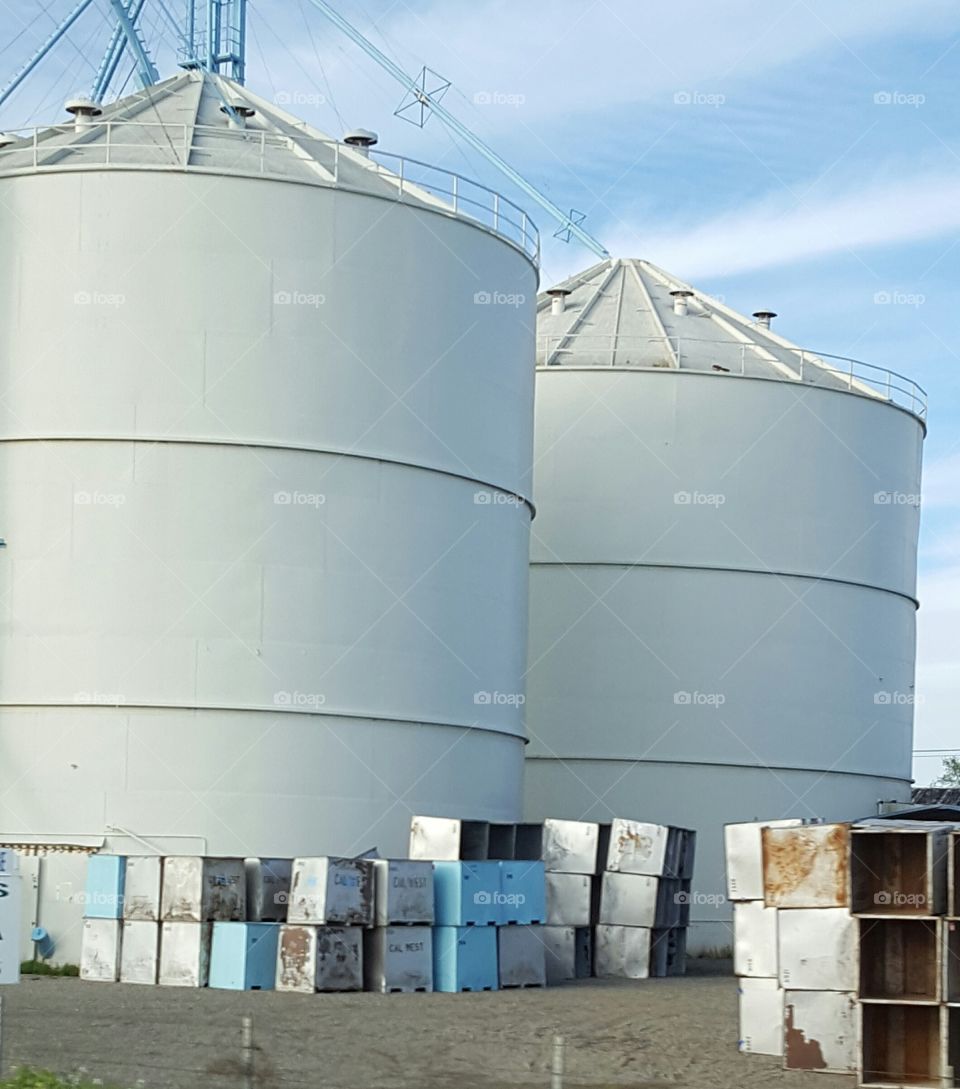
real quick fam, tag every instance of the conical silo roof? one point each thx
(626, 312)
(186, 122)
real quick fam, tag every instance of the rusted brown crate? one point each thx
(902, 1045)
(900, 959)
(806, 867)
(899, 870)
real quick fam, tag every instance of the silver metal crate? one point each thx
(820, 1031)
(184, 954)
(744, 856)
(761, 1017)
(637, 847)
(563, 846)
(628, 899)
(568, 899)
(331, 891)
(141, 888)
(403, 892)
(139, 952)
(100, 950)
(340, 958)
(201, 890)
(268, 889)
(755, 942)
(622, 952)
(398, 958)
(521, 956)
(559, 944)
(446, 839)
(817, 950)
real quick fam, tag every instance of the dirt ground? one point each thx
(676, 1033)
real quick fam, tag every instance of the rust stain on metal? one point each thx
(297, 967)
(799, 1052)
(806, 866)
(641, 845)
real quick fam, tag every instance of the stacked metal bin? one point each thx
(640, 906)
(321, 943)
(856, 922)
(615, 897)
(489, 904)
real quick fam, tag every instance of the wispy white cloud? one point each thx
(781, 229)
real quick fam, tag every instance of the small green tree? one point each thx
(949, 774)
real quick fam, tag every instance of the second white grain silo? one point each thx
(265, 438)
(723, 571)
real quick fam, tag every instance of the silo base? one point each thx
(704, 797)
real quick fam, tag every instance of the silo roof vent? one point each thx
(362, 138)
(764, 317)
(558, 299)
(238, 106)
(83, 109)
(680, 298)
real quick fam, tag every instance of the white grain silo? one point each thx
(266, 411)
(723, 568)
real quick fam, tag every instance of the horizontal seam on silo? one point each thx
(148, 440)
(556, 758)
(621, 564)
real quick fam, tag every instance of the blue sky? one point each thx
(803, 157)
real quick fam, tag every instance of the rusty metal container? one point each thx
(902, 959)
(806, 867)
(903, 1045)
(761, 1017)
(743, 845)
(100, 950)
(141, 891)
(521, 956)
(899, 868)
(755, 942)
(398, 958)
(403, 892)
(202, 890)
(563, 846)
(436, 839)
(297, 959)
(628, 899)
(331, 891)
(568, 899)
(818, 950)
(184, 954)
(637, 847)
(820, 1031)
(268, 889)
(340, 958)
(139, 952)
(621, 952)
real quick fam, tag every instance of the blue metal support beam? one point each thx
(146, 70)
(44, 49)
(568, 223)
(114, 54)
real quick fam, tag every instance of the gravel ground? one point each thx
(648, 1035)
